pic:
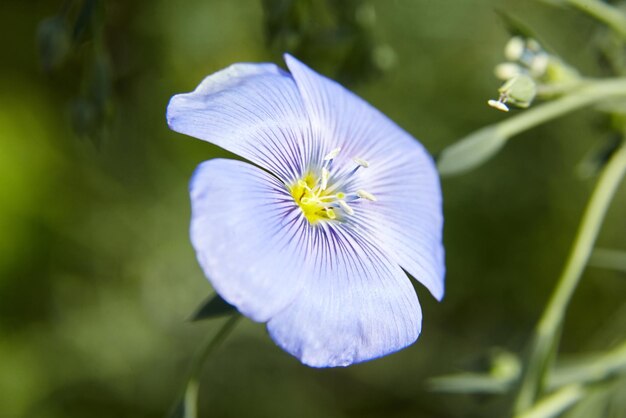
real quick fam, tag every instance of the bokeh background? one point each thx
(97, 276)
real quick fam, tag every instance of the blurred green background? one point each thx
(97, 276)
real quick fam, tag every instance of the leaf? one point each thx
(213, 307)
(514, 26)
(554, 404)
(608, 259)
(471, 151)
(178, 411)
(593, 405)
(53, 42)
(595, 160)
(470, 383)
(187, 405)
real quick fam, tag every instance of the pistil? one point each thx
(320, 200)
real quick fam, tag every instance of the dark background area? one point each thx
(97, 275)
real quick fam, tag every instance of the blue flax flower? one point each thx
(313, 233)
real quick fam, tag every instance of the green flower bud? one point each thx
(514, 48)
(507, 70)
(519, 90)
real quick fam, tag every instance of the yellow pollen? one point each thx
(319, 200)
(314, 201)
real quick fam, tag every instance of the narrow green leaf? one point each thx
(598, 156)
(178, 411)
(608, 259)
(514, 26)
(213, 307)
(53, 42)
(556, 403)
(187, 405)
(590, 368)
(474, 383)
(471, 151)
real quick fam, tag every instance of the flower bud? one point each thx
(53, 42)
(507, 70)
(519, 90)
(514, 48)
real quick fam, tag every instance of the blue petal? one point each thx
(253, 110)
(357, 304)
(250, 238)
(407, 219)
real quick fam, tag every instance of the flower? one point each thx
(313, 233)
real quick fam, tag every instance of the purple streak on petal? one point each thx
(253, 110)
(407, 219)
(250, 238)
(357, 304)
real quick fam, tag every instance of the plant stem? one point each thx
(608, 259)
(190, 399)
(555, 403)
(591, 369)
(547, 329)
(591, 91)
(480, 145)
(603, 12)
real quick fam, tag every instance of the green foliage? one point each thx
(97, 277)
(337, 37)
(213, 307)
(471, 151)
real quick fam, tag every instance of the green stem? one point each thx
(608, 259)
(590, 93)
(479, 146)
(555, 403)
(603, 12)
(592, 369)
(545, 338)
(190, 399)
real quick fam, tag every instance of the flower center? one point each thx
(322, 197)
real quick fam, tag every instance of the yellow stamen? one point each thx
(320, 201)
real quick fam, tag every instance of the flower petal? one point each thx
(407, 217)
(250, 238)
(357, 304)
(253, 110)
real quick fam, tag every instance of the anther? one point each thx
(346, 207)
(331, 155)
(361, 162)
(366, 195)
(497, 104)
(325, 177)
(331, 213)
